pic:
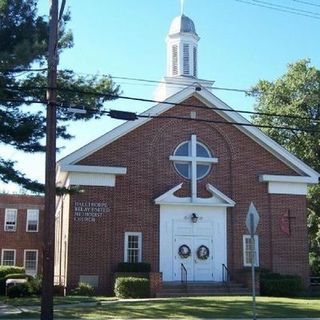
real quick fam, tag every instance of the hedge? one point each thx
(20, 290)
(130, 287)
(83, 289)
(134, 267)
(7, 270)
(18, 276)
(277, 285)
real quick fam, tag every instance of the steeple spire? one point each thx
(182, 7)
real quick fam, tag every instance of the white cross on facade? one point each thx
(193, 160)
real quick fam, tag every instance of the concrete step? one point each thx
(171, 289)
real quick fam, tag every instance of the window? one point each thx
(195, 62)
(31, 262)
(184, 167)
(132, 249)
(248, 250)
(174, 60)
(8, 257)
(186, 60)
(32, 220)
(10, 223)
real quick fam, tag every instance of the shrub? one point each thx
(277, 285)
(4, 271)
(83, 289)
(19, 290)
(134, 267)
(130, 287)
(18, 276)
(36, 285)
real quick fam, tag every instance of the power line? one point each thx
(307, 3)
(286, 7)
(182, 84)
(278, 9)
(112, 96)
(125, 115)
(18, 70)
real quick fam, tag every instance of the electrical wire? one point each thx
(18, 70)
(249, 124)
(307, 3)
(278, 9)
(286, 7)
(112, 96)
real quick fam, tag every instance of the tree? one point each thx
(297, 92)
(24, 44)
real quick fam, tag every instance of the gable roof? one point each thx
(210, 100)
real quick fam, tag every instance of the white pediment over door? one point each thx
(218, 199)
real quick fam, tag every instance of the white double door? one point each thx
(199, 267)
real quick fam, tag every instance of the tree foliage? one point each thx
(297, 92)
(23, 46)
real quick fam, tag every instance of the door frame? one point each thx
(217, 215)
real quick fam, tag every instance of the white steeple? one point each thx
(182, 46)
(182, 58)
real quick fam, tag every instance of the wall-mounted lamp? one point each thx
(194, 218)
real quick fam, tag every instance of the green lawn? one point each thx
(191, 308)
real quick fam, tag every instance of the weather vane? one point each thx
(182, 6)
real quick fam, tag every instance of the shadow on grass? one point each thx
(200, 307)
(204, 307)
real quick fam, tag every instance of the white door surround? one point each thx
(177, 228)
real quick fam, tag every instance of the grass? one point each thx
(188, 308)
(35, 300)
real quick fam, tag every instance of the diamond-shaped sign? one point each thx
(252, 219)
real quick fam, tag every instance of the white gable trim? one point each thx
(90, 175)
(288, 179)
(94, 169)
(218, 199)
(287, 184)
(211, 101)
(288, 188)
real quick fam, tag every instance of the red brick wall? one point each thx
(20, 239)
(145, 152)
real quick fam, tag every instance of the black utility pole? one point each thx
(50, 172)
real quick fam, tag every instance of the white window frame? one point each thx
(24, 261)
(256, 256)
(14, 256)
(126, 243)
(29, 212)
(13, 227)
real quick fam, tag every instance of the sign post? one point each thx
(252, 221)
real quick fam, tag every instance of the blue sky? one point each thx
(240, 44)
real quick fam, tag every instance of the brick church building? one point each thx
(175, 188)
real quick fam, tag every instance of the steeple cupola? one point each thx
(182, 48)
(182, 59)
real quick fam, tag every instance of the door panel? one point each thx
(203, 268)
(198, 269)
(187, 262)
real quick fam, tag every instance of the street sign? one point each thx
(252, 219)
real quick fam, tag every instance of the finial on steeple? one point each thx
(182, 7)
